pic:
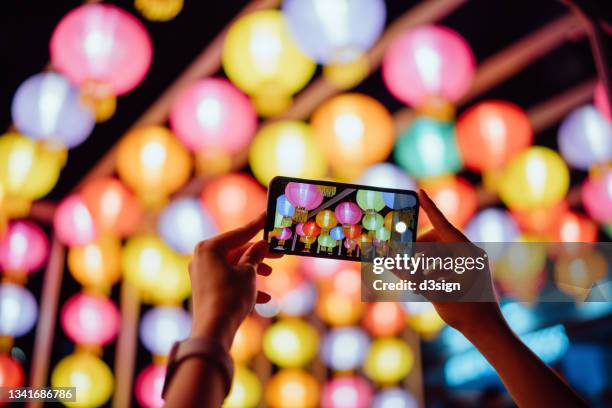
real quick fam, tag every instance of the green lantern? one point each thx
(370, 201)
(373, 221)
(383, 234)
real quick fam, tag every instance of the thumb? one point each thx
(255, 254)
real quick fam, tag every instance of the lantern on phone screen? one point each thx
(304, 197)
(348, 213)
(311, 231)
(286, 209)
(283, 235)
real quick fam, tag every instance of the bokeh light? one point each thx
(24, 248)
(90, 319)
(292, 388)
(73, 223)
(245, 391)
(18, 310)
(97, 264)
(344, 348)
(149, 385)
(346, 392)
(183, 223)
(290, 343)
(160, 327)
(389, 360)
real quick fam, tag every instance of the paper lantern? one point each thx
(286, 209)
(335, 31)
(339, 309)
(91, 377)
(370, 201)
(304, 197)
(394, 398)
(260, 57)
(601, 101)
(247, 341)
(596, 195)
(423, 318)
(153, 163)
(72, 222)
(575, 273)
(48, 107)
(346, 392)
(383, 318)
(325, 241)
(162, 326)
(537, 177)
(540, 221)
(337, 233)
(290, 343)
(346, 75)
(353, 130)
(292, 388)
(344, 348)
(18, 310)
(213, 114)
(149, 385)
(96, 264)
(23, 248)
(326, 220)
(428, 148)
(389, 360)
(113, 207)
(287, 149)
(320, 268)
(574, 227)
(172, 285)
(103, 49)
(159, 10)
(454, 196)
(143, 262)
(184, 223)
(245, 391)
(492, 225)
(585, 138)
(90, 319)
(386, 175)
(11, 372)
(491, 133)
(429, 61)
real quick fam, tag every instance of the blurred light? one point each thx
(389, 360)
(149, 385)
(574, 227)
(386, 175)
(184, 223)
(11, 372)
(90, 319)
(159, 10)
(72, 222)
(540, 221)
(267, 310)
(575, 273)
(245, 391)
(596, 195)
(394, 398)
(344, 348)
(284, 279)
(520, 270)
(96, 264)
(320, 268)
(18, 310)
(383, 318)
(292, 388)
(423, 318)
(290, 343)
(454, 196)
(24, 248)
(48, 107)
(346, 392)
(601, 101)
(247, 341)
(162, 326)
(286, 148)
(299, 301)
(490, 229)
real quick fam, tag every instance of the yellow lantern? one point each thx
(388, 361)
(153, 163)
(538, 177)
(96, 264)
(91, 377)
(158, 10)
(245, 391)
(173, 283)
(346, 75)
(338, 309)
(577, 271)
(423, 318)
(286, 149)
(260, 57)
(28, 171)
(292, 388)
(247, 341)
(290, 343)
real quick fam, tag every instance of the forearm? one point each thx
(196, 383)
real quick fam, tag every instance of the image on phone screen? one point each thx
(341, 221)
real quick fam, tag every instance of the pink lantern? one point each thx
(348, 213)
(73, 223)
(346, 392)
(299, 229)
(284, 234)
(428, 62)
(149, 385)
(601, 101)
(213, 114)
(23, 248)
(304, 197)
(90, 319)
(597, 196)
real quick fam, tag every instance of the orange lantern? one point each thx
(96, 264)
(454, 196)
(574, 227)
(247, 341)
(540, 221)
(383, 319)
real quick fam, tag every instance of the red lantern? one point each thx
(352, 231)
(11, 373)
(574, 227)
(149, 385)
(384, 319)
(540, 221)
(454, 196)
(90, 319)
(311, 229)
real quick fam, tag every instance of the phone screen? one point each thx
(341, 221)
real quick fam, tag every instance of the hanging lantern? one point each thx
(247, 341)
(394, 397)
(596, 195)
(173, 284)
(290, 343)
(601, 101)
(348, 391)
(304, 197)
(287, 149)
(260, 57)
(90, 319)
(184, 223)
(585, 138)
(113, 207)
(23, 248)
(149, 385)
(389, 360)
(246, 389)
(574, 227)
(18, 310)
(153, 163)
(161, 327)
(73, 223)
(353, 131)
(492, 225)
(428, 148)
(344, 348)
(386, 175)
(540, 221)
(454, 196)
(104, 50)
(159, 10)
(48, 107)
(319, 269)
(292, 388)
(537, 177)
(97, 264)
(428, 64)
(11, 372)
(283, 236)
(286, 209)
(346, 75)
(337, 233)
(326, 220)
(491, 133)
(339, 309)
(383, 319)
(370, 201)
(423, 318)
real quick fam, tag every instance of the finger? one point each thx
(235, 254)
(445, 229)
(240, 236)
(264, 269)
(255, 254)
(262, 297)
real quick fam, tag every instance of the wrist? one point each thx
(487, 327)
(219, 328)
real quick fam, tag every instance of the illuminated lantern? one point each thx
(537, 177)
(267, 310)
(96, 264)
(348, 74)
(601, 101)
(337, 233)
(290, 343)
(292, 388)
(426, 64)
(285, 278)
(326, 242)
(428, 148)
(28, 171)
(158, 10)
(454, 196)
(373, 222)
(386, 175)
(346, 392)
(339, 309)
(383, 319)
(11, 372)
(423, 318)
(491, 133)
(394, 398)
(91, 377)
(149, 385)
(382, 234)
(48, 107)
(574, 227)
(245, 391)
(286, 209)
(104, 50)
(247, 341)
(173, 284)
(90, 319)
(347, 281)
(184, 223)
(344, 348)
(576, 273)
(370, 201)
(153, 163)
(389, 360)
(143, 261)
(352, 231)
(260, 57)
(353, 130)
(492, 225)
(585, 138)
(233, 200)
(326, 220)
(305, 197)
(283, 235)
(540, 221)
(311, 230)
(23, 248)
(113, 207)
(286, 148)
(348, 213)
(597, 195)
(18, 310)
(73, 223)
(162, 326)
(213, 114)
(300, 300)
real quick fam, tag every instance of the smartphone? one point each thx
(340, 221)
